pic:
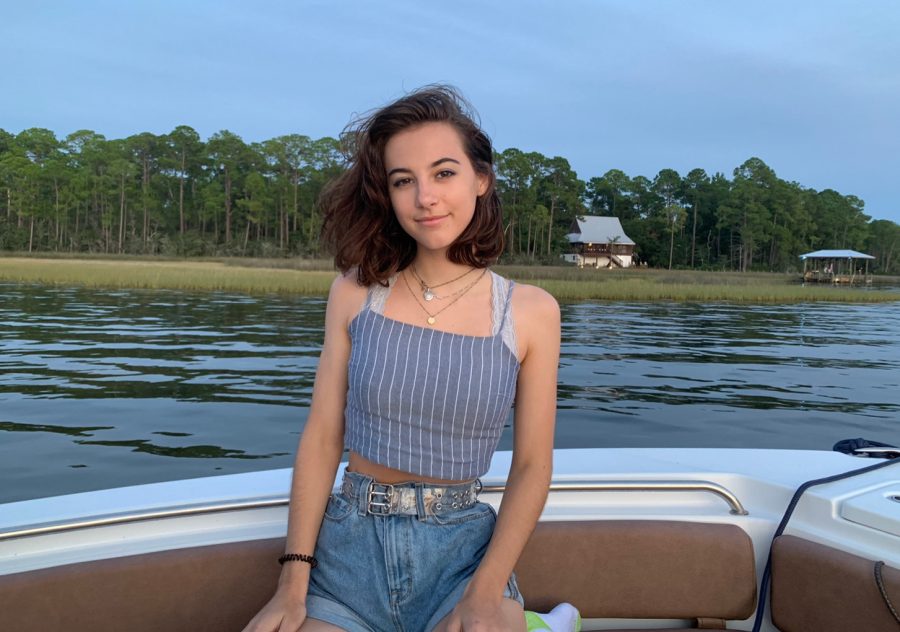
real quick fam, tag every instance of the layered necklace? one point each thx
(428, 290)
(432, 317)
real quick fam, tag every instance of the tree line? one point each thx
(175, 194)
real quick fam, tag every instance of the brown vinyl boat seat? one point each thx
(608, 569)
(641, 569)
(817, 588)
(200, 589)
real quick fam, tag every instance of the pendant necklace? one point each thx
(432, 318)
(428, 290)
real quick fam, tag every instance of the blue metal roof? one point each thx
(600, 230)
(836, 254)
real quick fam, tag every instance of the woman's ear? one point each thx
(483, 181)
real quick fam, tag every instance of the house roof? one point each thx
(599, 230)
(836, 254)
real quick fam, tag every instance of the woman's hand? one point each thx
(283, 613)
(472, 614)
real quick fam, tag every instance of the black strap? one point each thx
(764, 584)
(850, 446)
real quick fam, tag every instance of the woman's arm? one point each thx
(538, 331)
(318, 457)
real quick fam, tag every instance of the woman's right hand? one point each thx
(283, 613)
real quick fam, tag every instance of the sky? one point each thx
(810, 87)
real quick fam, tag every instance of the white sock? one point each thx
(563, 618)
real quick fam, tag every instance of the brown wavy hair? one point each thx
(359, 224)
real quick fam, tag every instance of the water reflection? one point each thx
(102, 388)
(798, 376)
(86, 431)
(68, 342)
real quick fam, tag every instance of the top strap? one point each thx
(501, 314)
(507, 305)
(377, 295)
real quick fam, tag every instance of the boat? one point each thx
(655, 538)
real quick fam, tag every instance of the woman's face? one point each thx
(432, 183)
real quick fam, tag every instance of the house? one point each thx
(599, 242)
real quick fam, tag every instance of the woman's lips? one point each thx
(433, 220)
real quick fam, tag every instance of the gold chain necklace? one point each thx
(432, 318)
(427, 290)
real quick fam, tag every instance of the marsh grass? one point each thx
(313, 277)
(653, 290)
(181, 275)
(643, 284)
(321, 265)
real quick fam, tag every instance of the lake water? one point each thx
(107, 388)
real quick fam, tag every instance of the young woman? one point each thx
(425, 351)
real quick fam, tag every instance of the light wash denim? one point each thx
(395, 573)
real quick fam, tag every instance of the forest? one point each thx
(178, 195)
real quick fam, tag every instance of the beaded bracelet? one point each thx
(298, 557)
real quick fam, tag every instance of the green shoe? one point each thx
(563, 618)
(533, 622)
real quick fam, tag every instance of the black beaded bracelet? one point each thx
(298, 557)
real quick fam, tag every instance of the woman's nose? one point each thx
(426, 196)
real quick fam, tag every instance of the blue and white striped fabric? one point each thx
(425, 401)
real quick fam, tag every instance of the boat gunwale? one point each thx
(142, 515)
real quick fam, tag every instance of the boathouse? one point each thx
(599, 242)
(836, 266)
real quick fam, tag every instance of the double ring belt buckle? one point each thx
(379, 499)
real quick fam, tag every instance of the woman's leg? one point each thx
(315, 625)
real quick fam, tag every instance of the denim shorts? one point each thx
(396, 572)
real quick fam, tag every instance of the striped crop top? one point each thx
(425, 401)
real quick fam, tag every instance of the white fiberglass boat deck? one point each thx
(637, 538)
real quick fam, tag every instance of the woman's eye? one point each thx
(445, 173)
(401, 182)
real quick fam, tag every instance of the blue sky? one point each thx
(812, 88)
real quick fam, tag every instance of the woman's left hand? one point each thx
(479, 615)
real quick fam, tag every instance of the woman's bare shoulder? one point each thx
(345, 283)
(532, 304)
(346, 296)
(537, 322)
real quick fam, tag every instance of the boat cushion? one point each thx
(201, 589)
(822, 589)
(616, 569)
(640, 569)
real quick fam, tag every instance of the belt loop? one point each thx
(362, 493)
(420, 502)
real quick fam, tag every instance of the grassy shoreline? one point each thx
(313, 278)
